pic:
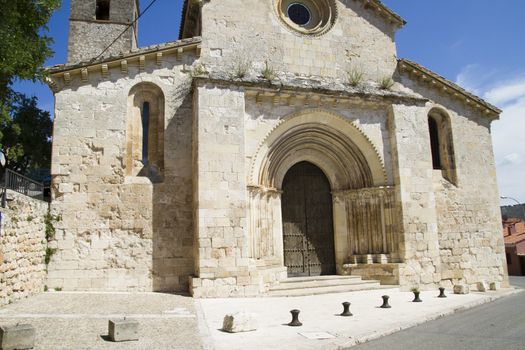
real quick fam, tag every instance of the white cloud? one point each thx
(508, 134)
(474, 78)
(506, 93)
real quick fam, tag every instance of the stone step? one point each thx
(316, 283)
(364, 285)
(319, 278)
(298, 286)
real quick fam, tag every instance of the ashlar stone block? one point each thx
(19, 337)
(121, 330)
(461, 289)
(483, 286)
(239, 322)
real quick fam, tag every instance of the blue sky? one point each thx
(477, 43)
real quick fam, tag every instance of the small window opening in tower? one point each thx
(102, 11)
(434, 143)
(145, 132)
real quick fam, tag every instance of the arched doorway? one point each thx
(308, 233)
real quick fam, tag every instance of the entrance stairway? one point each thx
(298, 286)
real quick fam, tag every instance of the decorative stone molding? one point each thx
(343, 151)
(323, 15)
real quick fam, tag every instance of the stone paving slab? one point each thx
(80, 320)
(319, 314)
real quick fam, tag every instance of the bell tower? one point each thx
(95, 24)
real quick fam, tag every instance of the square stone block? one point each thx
(461, 289)
(19, 337)
(239, 322)
(483, 286)
(123, 330)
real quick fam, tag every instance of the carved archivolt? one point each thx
(344, 153)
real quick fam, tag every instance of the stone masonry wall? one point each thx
(89, 37)
(471, 245)
(22, 248)
(413, 178)
(118, 232)
(360, 39)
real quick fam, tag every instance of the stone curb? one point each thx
(376, 335)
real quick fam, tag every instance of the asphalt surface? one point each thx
(494, 326)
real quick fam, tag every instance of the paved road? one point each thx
(496, 326)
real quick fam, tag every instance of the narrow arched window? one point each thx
(433, 129)
(441, 144)
(102, 10)
(145, 132)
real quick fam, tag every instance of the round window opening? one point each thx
(307, 17)
(299, 14)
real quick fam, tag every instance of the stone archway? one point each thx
(363, 205)
(308, 233)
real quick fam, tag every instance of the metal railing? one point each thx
(21, 184)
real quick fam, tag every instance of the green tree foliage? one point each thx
(24, 40)
(26, 135)
(24, 47)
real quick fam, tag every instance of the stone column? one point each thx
(265, 226)
(419, 247)
(341, 240)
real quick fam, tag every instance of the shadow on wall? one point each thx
(173, 260)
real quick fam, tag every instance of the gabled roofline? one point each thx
(447, 86)
(382, 9)
(375, 5)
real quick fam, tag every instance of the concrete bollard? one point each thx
(295, 319)
(19, 337)
(123, 330)
(385, 305)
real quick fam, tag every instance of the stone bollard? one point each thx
(123, 330)
(483, 286)
(19, 337)
(442, 293)
(239, 322)
(346, 309)
(461, 289)
(295, 319)
(385, 305)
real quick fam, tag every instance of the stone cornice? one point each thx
(311, 92)
(63, 74)
(438, 82)
(185, 45)
(382, 10)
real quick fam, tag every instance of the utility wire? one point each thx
(125, 30)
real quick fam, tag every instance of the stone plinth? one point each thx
(123, 330)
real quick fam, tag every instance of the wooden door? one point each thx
(307, 222)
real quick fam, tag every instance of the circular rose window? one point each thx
(309, 17)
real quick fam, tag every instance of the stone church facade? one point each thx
(276, 138)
